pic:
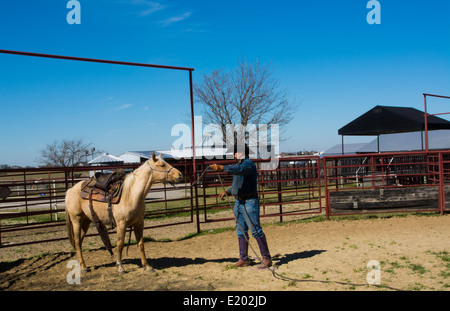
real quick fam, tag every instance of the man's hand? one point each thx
(216, 167)
(222, 195)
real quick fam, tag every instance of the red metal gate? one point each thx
(419, 179)
(294, 188)
(33, 199)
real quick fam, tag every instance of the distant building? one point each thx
(400, 142)
(396, 129)
(130, 157)
(105, 159)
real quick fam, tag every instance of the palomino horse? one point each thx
(130, 211)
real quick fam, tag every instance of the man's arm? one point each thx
(245, 168)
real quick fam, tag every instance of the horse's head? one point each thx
(163, 171)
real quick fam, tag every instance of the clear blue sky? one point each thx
(323, 52)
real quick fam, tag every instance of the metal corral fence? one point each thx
(387, 182)
(294, 188)
(32, 200)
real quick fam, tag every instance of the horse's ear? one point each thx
(154, 157)
(160, 155)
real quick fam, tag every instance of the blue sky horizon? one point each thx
(324, 53)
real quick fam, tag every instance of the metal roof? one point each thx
(105, 158)
(414, 141)
(385, 120)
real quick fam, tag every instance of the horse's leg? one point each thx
(139, 234)
(84, 228)
(78, 240)
(121, 230)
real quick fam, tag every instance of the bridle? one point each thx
(161, 171)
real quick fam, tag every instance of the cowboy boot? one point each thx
(265, 253)
(243, 253)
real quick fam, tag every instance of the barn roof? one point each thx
(105, 158)
(399, 142)
(386, 120)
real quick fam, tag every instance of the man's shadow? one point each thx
(295, 256)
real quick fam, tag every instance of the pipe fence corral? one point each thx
(387, 182)
(292, 189)
(32, 200)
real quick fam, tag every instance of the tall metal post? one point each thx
(191, 92)
(435, 114)
(194, 164)
(426, 122)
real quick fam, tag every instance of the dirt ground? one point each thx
(413, 253)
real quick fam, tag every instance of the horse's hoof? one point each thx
(121, 270)
(149, 269)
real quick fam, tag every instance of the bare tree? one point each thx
(247, 95)
(68, 152)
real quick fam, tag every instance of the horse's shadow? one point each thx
(170, 262)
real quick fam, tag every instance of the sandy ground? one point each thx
(413, 253)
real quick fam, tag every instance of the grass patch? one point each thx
(418, 268)
(444, 256)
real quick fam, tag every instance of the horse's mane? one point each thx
(129, 180)
(128, 183)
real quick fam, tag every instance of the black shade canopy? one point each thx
(386, 120)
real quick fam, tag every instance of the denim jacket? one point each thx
(244, 177)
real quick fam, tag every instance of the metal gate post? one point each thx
(325, 180)
(280, 200)
(441, 190)
(319, 184)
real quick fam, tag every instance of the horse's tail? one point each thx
(69, 225)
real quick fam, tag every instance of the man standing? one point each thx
(246, 206)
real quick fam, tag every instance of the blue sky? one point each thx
(323, 52)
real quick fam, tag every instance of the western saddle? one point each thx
(105, 188)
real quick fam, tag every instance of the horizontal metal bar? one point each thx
(94, 60)
(438, 114)
(425, 94)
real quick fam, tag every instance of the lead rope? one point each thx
(242, 230)
(274, 273)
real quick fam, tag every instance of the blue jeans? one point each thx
(247, 217)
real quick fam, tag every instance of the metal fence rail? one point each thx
(386, 182)
(294, 188)
(32, 200)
